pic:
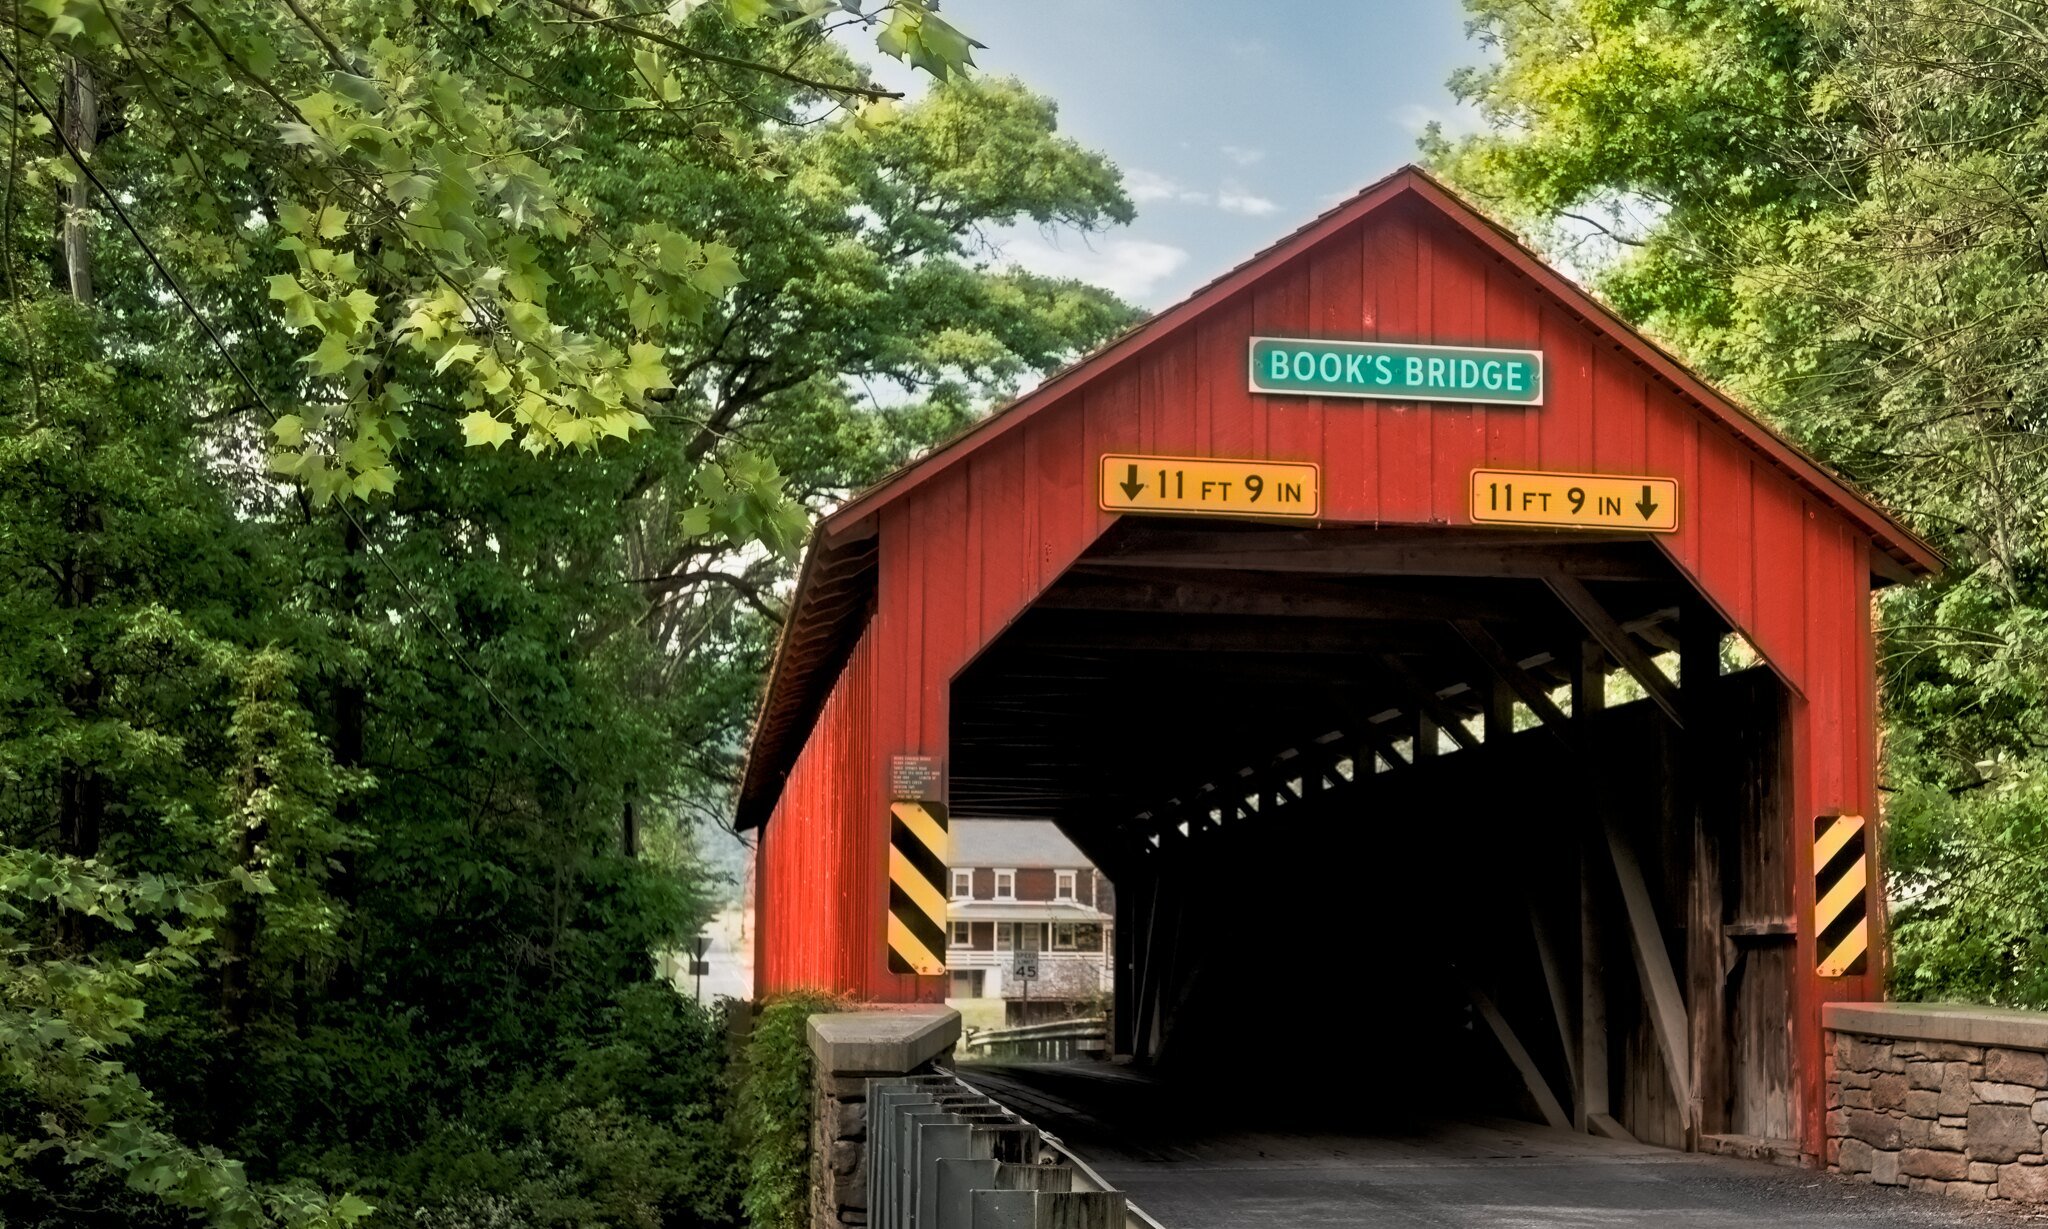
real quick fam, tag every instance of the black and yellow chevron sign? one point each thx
(917, 887)
(1841, 893)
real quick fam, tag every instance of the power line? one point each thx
(263, 403)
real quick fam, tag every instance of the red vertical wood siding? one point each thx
(964, 553)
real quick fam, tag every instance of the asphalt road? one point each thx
(1190, 1166)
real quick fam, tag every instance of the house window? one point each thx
(1064, 936)
(1064, 886)
(962, 937)
(1006, 936)
(967, 983)
(1006, 885)
(963, 883)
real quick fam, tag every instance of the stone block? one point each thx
(1854, 1079)
(2041, 1111)
(1888, 1091)
(2001, 1133)
(2024, 1183)
(1966, 1189)
(1922, 1073)
(2003, 1094)
(2016, 1067)
(1924, 1163)
(1867, 1054)
(1838, 1122)
(1953, 1120)
(844, 1087)
(849, 1119)
(1884, 1169)
(1856, 1157)
(1857, 1099)
(1881, 1130)
(1955, 1090)
(1983, 1171)
(853, 1216)
(1917, 1133)
(1921, 1103)
(845, 1157)
(1948, 1139)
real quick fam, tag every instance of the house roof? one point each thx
(835, 592)
(1017, 844)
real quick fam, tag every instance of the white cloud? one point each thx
(1242, 155)
(1456, 122)
(1131, 269)
(1147, 186)
(1236, 198)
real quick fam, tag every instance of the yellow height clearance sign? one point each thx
(1209, 486)
(1574, 501)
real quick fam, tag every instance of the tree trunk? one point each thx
(78, 110)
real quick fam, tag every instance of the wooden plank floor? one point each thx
(1326, 1166)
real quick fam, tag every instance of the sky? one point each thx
(1233, 123)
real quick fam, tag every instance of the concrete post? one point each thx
(848, 1049)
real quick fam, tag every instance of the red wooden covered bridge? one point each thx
(1392, 577)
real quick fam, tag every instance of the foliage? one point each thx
(773, 1112)
(342, 797)
(1835, 208)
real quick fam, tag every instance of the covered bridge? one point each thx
(1393, 572)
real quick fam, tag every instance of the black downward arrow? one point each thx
(1646, 505)
(1132, 486)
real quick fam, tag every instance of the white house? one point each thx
(1020, 884)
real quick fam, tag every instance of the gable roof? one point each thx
(835, 590)
(1012, 843)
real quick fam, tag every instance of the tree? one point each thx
(328, 729)
(1835, 208)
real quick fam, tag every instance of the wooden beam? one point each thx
(1424, 697)
(1080, 631)
(1708, 952)
(1560, 1000)
(1653, 968)
(1589, 680)
(1427, 734)
(1219, 592)
(1373, 560)
(1620, 646)
(1518, 1054)
(1508, 671)
(1592, 1100)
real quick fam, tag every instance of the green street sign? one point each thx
(1311, 367)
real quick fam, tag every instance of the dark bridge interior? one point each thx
(1499, 812)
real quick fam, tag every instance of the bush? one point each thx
(773, 1117)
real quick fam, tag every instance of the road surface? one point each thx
(1191, 1167)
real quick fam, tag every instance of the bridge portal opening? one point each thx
(1459, 820)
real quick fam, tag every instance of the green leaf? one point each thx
(460, 352)
(333, 355)
(482, 428)
(647, 370)
(290, 430)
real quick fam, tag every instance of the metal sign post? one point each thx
(700, 966)
(1024, 965)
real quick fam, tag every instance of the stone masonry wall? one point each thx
(1965, 1120)
(839, 1134)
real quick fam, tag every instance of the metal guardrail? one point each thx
(1054, 1041)
(942, 1155)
